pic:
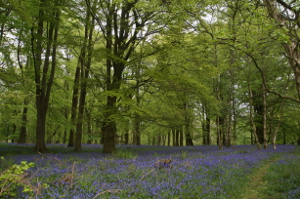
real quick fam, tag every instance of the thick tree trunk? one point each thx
(159, 139)
(40, 145)
(188, 137)
(109, 127)
(126, 137)
(44, 80)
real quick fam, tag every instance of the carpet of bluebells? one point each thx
(195, 172)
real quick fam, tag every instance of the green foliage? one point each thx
(14, 177)
(126, 154)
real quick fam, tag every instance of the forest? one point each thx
(149, 72)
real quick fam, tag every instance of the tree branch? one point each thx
(265, 84)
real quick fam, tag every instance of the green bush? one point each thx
(13, 177)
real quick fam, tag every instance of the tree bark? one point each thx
(22, 136)
(219, 134)
(274, 133)
(74, 105)
(85, 65)
(265, 117)
(251, 115)
(44, 80)
(169, 138)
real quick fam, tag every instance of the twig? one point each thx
(72, 175)
(146, 175)
(110, 191)
(49, 157)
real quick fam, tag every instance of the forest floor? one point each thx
(156, 172)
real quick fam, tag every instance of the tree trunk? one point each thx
(85, 64)
(44, 80)
(159, 139)
(74, 105)
(258, 106)
(187, 125)
(180, 136)
(109, 127)
(265, 117)
(177, 136)
(137, 117)
(173, 136)
(22, 136)
(274, 133)
(219, 134)
(126, 136)
(169, 138)
(251, 115)
(136, 132)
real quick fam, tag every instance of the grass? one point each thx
(196, 172)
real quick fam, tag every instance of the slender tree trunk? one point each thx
(137, 133)
(219, 137)
(177, 133)
(22, 136)
(204, 129)
(274, 134)
(137, 117)
(169, 138)
(85, 68)
(265, 117)
(188, 120)
(74, 105)
(173, 136)
(251, 115)
(207, 127)
(180, 136)
(228, 131)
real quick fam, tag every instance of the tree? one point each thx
(127, 23)
(46, 31)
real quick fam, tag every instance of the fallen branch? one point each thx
(146, 175)
(49, 157)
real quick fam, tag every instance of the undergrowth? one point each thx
(198, 172)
